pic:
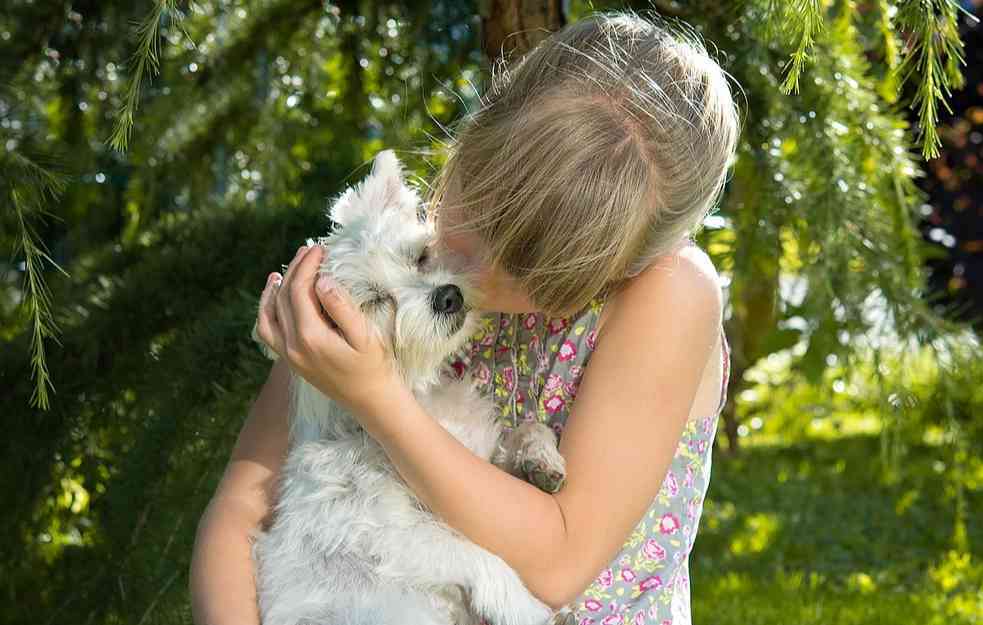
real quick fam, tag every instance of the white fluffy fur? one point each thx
(350, 544)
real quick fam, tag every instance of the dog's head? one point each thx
(383, 253)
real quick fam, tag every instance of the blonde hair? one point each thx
(600, 150)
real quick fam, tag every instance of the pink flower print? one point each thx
(503, 322)
(508, 375)
(529, 321)
(567, 351)
(593, 605)
(487, 340)
(691, 508)
(639, 618)
(571, 388)
(554, 404)
(688, 480)
(707, 422)
(586, 621)
(458, 368)
(611, 619)
(653, 550)
(558, 325)
(627, 574)
(669, 523)
(670, 483)
(483, 373)
(650, 582)
(576, 372)
(667, 621)
(606, 578)
(520, 397)
(654, 610)
(553, 382)
(591, 339)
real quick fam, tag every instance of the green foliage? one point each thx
(805, 22)
(28, 186)
(145, 60)
(258, 112)
(933, 53)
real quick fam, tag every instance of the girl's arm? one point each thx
(618, 443)
(620, 438)
(223, 589)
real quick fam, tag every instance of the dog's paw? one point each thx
(539, 461)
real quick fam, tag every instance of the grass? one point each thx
(809, 533)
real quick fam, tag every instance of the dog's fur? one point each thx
(350, 543)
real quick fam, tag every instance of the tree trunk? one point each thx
(509, 26)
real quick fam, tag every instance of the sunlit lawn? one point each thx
(809, 533)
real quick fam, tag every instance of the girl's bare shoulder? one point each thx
(688, 269)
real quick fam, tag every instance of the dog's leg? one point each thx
(529, 452)
(496, 590)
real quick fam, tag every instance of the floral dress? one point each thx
(532, 366)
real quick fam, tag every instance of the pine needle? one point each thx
(27, 195)
(808, 23)
(932, 55)
(145, 60)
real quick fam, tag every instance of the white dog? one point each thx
(350, 543)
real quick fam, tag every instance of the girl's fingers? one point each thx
(282, 301)
(266, 320)
(304, 302)
(342, 311)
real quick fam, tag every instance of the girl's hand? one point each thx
(324, 336)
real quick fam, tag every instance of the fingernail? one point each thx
(324, 284)
(300, 250)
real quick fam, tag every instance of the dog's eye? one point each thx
(379, 298)
(423, 258)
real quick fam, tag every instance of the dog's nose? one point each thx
(447, 299)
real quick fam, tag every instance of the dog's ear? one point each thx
(341, 211)
(381, 189)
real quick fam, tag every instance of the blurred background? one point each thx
(159, 159)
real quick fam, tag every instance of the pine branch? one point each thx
(145, 59)
(30, 185)
(932, 55)
(807, 23)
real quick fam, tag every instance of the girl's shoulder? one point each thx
(688, 269)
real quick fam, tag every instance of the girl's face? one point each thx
(500, 292)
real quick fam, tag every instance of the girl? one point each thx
(573, 191)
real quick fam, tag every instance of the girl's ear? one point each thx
(381, 189)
